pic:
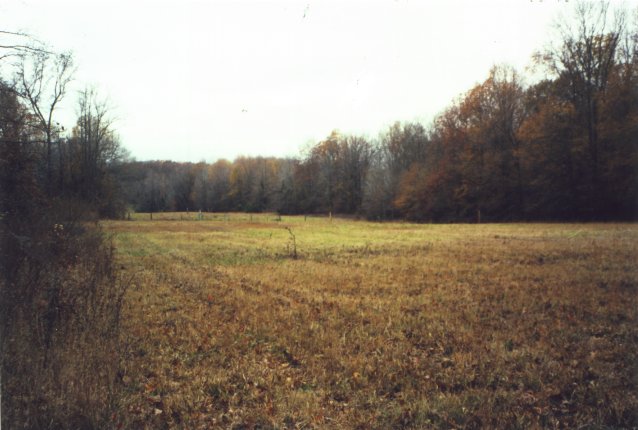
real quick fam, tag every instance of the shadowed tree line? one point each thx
(563, 148)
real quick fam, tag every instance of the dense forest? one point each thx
(562, 148)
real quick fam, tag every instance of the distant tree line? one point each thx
(564, 148)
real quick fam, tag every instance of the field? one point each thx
(240, 321)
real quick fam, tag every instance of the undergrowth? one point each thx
(60, 312)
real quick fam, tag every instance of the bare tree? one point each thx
(41, 79)
(94, 144)
(590, 45)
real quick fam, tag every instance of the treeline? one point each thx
(564, 148)
(76, 164)
(60, 297)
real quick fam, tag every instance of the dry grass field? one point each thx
(246, 321)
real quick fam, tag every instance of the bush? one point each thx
(60, 309)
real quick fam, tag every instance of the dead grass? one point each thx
(377, 325)
(60, 331)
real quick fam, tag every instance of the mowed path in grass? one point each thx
(376, 325)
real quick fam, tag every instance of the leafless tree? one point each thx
(590, 45)
(41, 80)
(94, 145)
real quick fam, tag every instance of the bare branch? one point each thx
(14, 33)
(20, 47)
(41, 80)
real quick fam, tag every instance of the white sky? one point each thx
(194, 80)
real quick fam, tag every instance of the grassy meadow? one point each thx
(250, 321)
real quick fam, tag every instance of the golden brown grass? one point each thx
(377, 325)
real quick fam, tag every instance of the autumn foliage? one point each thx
(561, 148)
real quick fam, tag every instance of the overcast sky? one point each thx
(203, 80)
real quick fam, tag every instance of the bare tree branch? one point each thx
(41, 80)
